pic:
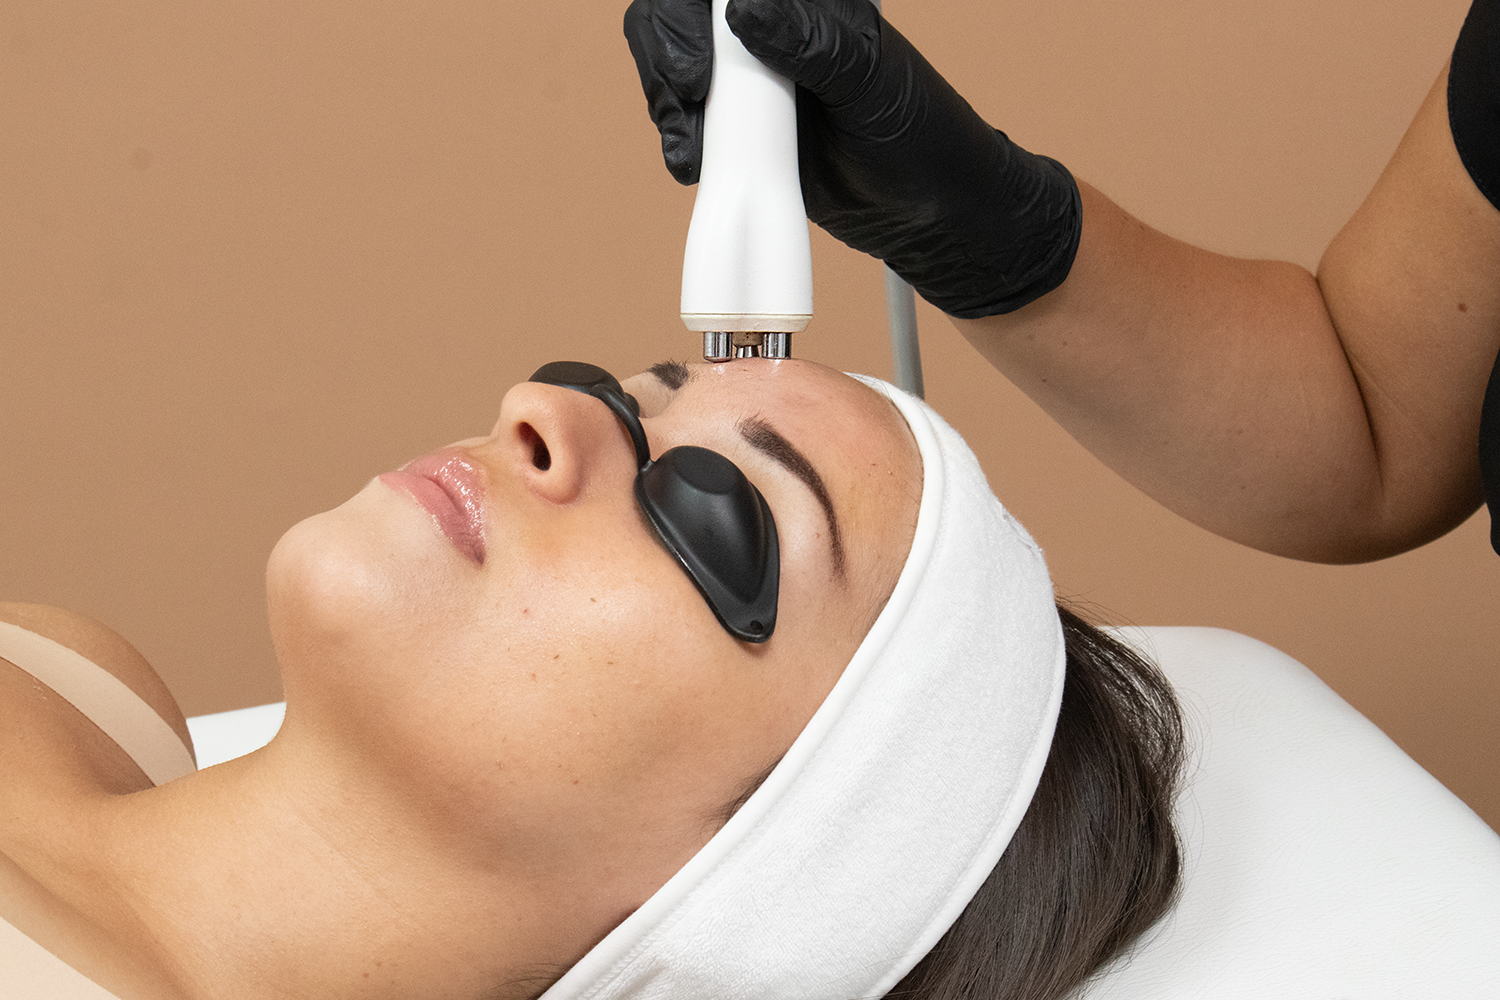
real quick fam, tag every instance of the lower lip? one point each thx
(448, 486)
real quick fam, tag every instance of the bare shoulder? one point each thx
(105, 647)
(57, 769)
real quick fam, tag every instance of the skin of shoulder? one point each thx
(105, 647)
(58, 768)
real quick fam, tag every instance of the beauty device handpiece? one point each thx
(747, 272)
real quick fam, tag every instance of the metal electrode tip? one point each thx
(719, 346)
(776, 345)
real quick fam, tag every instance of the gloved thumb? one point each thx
(828, 47)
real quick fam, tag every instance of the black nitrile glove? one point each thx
(893, 161)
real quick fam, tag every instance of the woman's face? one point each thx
(554, 682)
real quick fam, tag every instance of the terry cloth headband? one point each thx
(891, 808)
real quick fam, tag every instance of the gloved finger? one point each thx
(672, 44)
(673, 40)
(829, 47)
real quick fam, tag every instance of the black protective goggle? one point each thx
(711, 518)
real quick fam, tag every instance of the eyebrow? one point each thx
(672, 374)
(764, 438)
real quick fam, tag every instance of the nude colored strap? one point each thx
(103, 699)
(32, 971)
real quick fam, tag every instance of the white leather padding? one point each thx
(226, 735)
(1321, 861)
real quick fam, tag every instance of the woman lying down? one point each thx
(729, 682)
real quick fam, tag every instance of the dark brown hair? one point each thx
(1095, 860)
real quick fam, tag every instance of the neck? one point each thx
(286, 874)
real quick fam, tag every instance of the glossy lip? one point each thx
(447, 485)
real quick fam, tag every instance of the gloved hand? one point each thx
(893, 161)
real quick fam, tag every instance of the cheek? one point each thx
(601, 662)
(623, 727)
(625, 691)
(562, 658)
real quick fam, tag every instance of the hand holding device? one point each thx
(893, 161)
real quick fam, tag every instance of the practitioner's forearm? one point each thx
(1334, 418)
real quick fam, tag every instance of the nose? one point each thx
(560, 442)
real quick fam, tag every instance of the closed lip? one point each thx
(448, 486)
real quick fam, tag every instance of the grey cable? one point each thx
(906, 353)
(901, 309)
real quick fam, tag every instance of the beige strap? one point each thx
(103, 699)
(32, 971)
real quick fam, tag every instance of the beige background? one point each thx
(251, 255)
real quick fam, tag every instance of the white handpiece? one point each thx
(748, 266)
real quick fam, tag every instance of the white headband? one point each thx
(873, 833)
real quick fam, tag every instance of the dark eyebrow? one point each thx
(763, 438)
(672, 374)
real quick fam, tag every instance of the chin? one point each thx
(339, 581)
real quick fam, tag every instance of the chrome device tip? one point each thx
(717, 346)
(720, 346)
(775, 345)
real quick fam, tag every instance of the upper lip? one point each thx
(450, 476)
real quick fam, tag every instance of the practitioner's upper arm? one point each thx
(1412, 284)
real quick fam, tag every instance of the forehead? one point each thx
(790, 391)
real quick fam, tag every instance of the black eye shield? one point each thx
(709, 516)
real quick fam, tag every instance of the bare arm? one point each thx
(1332, 418)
